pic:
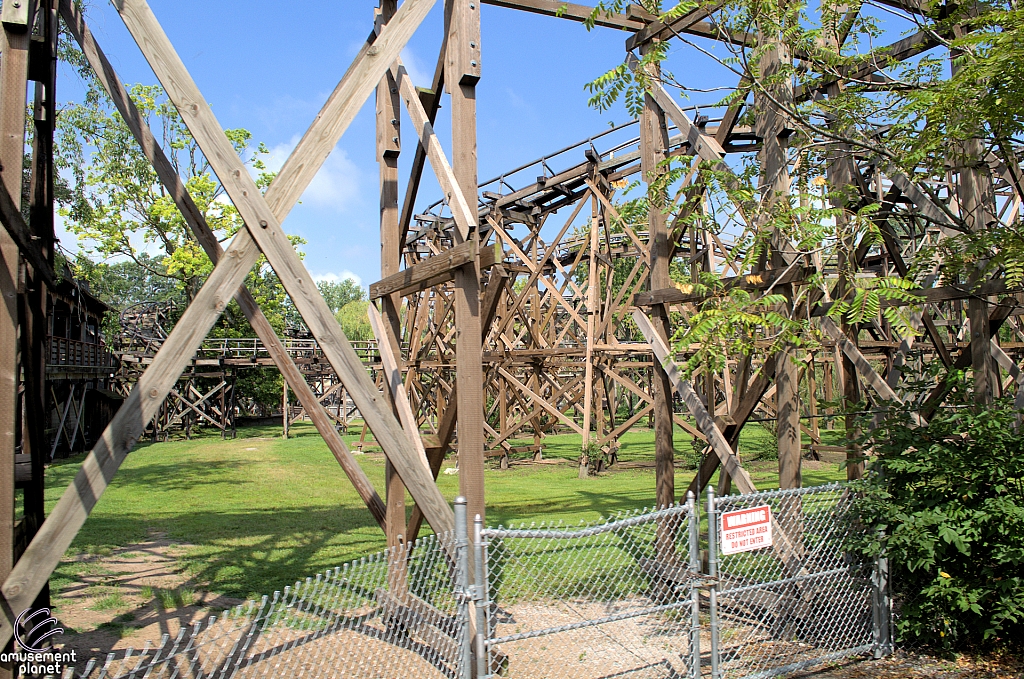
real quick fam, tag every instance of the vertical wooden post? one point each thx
(13, 83)
(388, 150)
(285, 415)
(770, 125)
(462, 72)
(34, 308)
(653, 143)
(588, 369)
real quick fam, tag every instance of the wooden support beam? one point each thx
(42, 555)
(701, 144)
(761, 281)
(21, 235)
(719, 444)
(462, 72)
(14, 46)
(572, 12)
(264, 224)
(436, 270)
(463, 212)
(658, 30)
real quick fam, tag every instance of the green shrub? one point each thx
(947, 500)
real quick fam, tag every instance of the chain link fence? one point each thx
(399, 613)
(801, 602)
(635, 596)
(599, 600)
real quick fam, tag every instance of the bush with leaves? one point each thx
(945, 501)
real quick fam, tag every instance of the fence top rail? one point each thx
(787, 492)
(588, 531)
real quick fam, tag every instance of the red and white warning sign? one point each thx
(746, 529)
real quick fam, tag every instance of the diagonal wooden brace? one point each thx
(263, 223)
(193, 216)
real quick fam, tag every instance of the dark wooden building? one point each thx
(79, 368)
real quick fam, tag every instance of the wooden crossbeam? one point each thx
(38, 561)
(762, 281)
(436, 270)
(15, 224)
(264, 224)
(719, 444)
(194, 217)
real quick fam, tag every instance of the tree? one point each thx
(919, 122)
(355, 322)
(945, 503)
(111, 196)
(339, 293)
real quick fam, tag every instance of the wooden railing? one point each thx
(71, 352)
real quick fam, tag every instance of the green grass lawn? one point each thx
(260, 512)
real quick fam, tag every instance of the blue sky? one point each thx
(270, 71)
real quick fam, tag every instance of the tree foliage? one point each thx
(947, 500)
(923, 121)
(114, 203)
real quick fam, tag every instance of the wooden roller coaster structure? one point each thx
(507, 309)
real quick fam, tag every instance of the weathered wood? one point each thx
(20, 233)
(194, 217)
(703, 145)
(463, 212)
(434, 271)
(462, 71)
(726, 456)
(14, 44)
(97, 470)
(658, 30)
(762, 281)
(264, 225)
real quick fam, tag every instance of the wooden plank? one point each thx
(13, 76)
(462, 211)
(393, 378)
(876, 381)
(435, 270)
(719, 444)
(571, 11)
(703, 145)
(462, 71)
(658, 30)
(264, 225)
(542, 402)
(762, 281)
(941, 294)
(194, 217)
(19, 232)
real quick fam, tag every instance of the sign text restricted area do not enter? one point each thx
(746, 529)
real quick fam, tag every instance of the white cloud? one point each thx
(338, 277)
(335, 186)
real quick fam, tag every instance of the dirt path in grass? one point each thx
(132, 596)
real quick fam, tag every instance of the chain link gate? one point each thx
(632, 597)
(614, 599)
(802, 602)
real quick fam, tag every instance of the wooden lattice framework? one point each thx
(491, 308)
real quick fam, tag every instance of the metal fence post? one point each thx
(480, 597)
(713, 575)
(694, 531)
(462, 585)
(881, 609)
